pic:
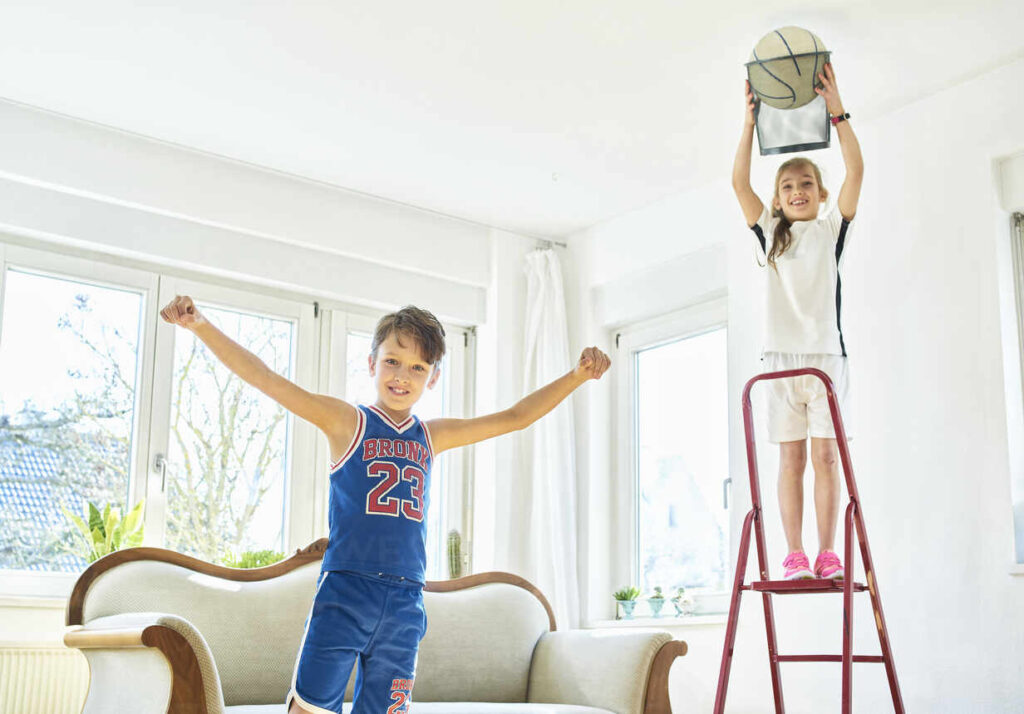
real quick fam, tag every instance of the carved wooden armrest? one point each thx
(147, 662)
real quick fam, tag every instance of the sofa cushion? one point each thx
(450, 708)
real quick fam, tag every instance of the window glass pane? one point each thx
(229, 444)
(433, 404)
(68, 366)
(682, 459)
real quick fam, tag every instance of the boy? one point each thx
(369, 599)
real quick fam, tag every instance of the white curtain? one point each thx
(548, 492)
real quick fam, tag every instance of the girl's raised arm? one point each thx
(749, 201)
(334, 417)
(849, 194)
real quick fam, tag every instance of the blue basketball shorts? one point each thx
(375, 621)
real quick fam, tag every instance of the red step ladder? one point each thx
(768, 587)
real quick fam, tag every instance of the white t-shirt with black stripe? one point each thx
(803, 301)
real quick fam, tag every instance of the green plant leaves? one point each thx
(106, 530)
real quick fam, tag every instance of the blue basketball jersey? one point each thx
(380, 492)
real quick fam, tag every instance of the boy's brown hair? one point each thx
(417, 324)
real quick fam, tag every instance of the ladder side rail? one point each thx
(847, 673)
(876, 604)
(734, 613)
(762, 551)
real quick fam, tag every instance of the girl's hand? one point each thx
(829, 90)
(181, 311)
(593, 363)
(751, 104)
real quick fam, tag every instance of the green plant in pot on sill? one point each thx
(682, 602)
(656, 601)
(103, 532)
(626, 597)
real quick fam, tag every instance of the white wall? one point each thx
(70, 185)
(923, 319)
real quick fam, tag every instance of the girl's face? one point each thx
(400, 373)
(798, 193)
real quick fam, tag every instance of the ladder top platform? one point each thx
(809, 585)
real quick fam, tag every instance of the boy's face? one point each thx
(799, 194)
(400, 373)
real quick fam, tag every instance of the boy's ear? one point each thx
(372, 362)
(434, 377)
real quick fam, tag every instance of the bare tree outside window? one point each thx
(67, 398)
(228, 444)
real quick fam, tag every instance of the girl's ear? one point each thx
(824, 194)
(776, 206)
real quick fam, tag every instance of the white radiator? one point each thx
(44, 679)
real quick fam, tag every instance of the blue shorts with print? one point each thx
(373, 620)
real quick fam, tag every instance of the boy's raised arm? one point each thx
(332, 416)
(450, 433)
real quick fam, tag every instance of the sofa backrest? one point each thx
(481, 632)
(480, 640)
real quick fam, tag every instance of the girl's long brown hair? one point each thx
(782, 238)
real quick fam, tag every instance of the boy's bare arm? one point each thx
(334, 417)
(450, 433)
(849, 194)
(749, 202)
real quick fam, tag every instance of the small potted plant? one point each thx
(626, 597)
(682, 602)
(656, 601)
(101, 532)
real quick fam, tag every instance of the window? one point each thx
(101, 401)
(69, 366)
(675, 410)
(1017, 485)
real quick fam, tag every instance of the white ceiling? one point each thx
(540, 117)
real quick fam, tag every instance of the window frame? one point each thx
(691, 321)
(316, 361)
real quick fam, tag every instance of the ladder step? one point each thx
(877, 659)
(815, 585)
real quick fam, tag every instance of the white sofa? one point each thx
(167, 633)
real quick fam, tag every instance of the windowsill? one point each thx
(41, 602)
(661, 622)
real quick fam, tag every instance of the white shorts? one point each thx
(798, 406)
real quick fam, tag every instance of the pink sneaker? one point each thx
(828, 565)
(797, 566)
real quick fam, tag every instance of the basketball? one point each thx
(784, 66)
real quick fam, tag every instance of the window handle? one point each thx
(726, 483)
(160, 464)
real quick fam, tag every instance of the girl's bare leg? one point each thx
(792, 463)
(825, 459)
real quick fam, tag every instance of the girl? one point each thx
(802, 253)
